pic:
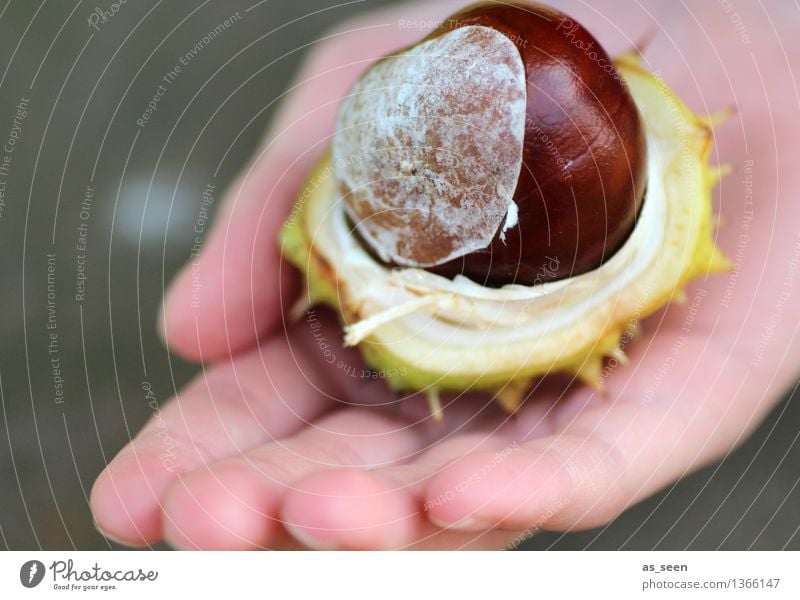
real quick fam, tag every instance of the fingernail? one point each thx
(161, 320)
(161, 329)
(465, 524)
(109, 536)
(308, 540)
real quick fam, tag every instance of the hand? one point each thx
(273, 447)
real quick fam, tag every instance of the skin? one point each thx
(278, 450)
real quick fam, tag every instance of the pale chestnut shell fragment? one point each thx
(426, 157)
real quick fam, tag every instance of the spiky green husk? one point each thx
(581, 348)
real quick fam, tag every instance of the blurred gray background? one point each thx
(85, 87)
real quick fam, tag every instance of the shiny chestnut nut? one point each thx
(504, 147)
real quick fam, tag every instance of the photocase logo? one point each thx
(31, 573)
(69, 576)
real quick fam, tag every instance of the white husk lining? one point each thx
(460, 311)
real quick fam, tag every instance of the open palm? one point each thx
(283, 441)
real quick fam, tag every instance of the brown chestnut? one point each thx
(441, 125)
